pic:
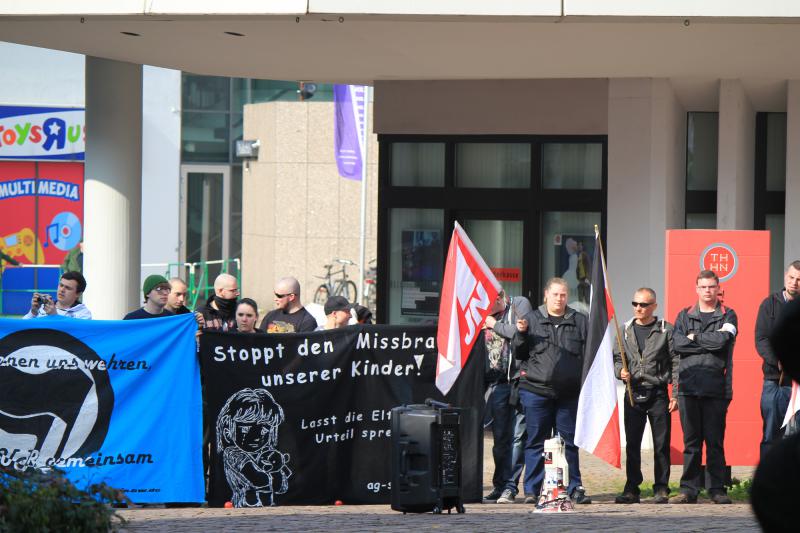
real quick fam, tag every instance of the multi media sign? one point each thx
(42, 133)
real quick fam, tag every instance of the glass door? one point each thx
(205, 212)
(500, 243)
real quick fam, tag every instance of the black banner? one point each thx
(305, 418)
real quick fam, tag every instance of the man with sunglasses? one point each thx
(652, 365)
(219, 311)
(289, 315)
(704, 337)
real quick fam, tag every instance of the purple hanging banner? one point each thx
(349, 125)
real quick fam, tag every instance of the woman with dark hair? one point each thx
(247, 316)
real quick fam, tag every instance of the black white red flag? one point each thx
(597, 425)
(468, 291)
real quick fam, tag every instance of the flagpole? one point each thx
(362, 251)
(616, 323)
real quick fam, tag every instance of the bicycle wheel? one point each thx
(350, 291)
(321, 296)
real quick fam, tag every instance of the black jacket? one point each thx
(706, 366)
(657, 365)
(551, 357)
(216, 319)
(768, 313)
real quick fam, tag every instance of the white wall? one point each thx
(792, 243)
(161, 160)
(735, 157)
(40, 77)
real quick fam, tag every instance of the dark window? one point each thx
(769, 196)
(529, 203)
(702, 141)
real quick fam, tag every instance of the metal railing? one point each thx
(7, 301)
(199, 277)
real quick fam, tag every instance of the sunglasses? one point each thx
(283, 295)
(643, 305)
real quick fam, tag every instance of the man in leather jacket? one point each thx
(652, 365)
(704, 337)
(549, 345)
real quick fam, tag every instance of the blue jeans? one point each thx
(517, 451)
(502, 431)
(542, 415)
(774, 402)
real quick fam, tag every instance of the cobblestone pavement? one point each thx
(602, 482)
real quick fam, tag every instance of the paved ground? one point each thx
(601, 480)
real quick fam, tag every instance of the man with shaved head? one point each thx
(176, 301)
(289, 315)
(219, 311)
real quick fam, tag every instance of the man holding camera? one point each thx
(70, 287)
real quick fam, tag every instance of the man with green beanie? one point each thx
(156, 291)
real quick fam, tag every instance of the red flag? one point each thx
(468, 291)
(597, 424)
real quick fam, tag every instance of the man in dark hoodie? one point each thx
(777, 387)
(549, 345)
(219, 312)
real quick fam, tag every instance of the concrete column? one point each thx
(161, 167)
(735, 158)
(113, 187)
(792, 245)
(646, 183)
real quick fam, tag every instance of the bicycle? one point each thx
(336, 287)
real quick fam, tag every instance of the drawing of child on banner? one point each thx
(247, 433)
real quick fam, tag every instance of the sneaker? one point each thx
(579, 496)
(683, 498)
(508, 496)
(531, 499)
(662, 496)
(492, 496)
(627, 497)
(721, 498)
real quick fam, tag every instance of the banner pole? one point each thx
(363, 221)
(616, 323)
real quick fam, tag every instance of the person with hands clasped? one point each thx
(704, 336)
(652, 365)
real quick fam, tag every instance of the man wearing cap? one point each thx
(156, 291)
(337, 313)
(289, 315)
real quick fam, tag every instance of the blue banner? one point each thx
(111, 401)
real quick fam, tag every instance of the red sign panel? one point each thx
(42, 207)
(741, 260)
(512, 275)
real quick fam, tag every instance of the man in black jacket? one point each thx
(777, 387)
(704, 337)
(652, 365)
(549, 345)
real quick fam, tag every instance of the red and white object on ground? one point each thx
(553, 497)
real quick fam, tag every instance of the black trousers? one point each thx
(703, 421)
(656, 410)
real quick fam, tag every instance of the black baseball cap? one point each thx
(337, 303)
